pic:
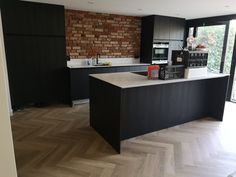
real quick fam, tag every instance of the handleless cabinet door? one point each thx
(18, 19)
(23, 70)
(49, 20)
(162, 28)
(27, 18)
(52, 57)
(177, 28)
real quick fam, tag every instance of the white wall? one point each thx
(5, 70)
(7, 157)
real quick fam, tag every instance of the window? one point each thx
(213, 38)
(230, 46)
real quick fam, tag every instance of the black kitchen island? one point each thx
(125, 105)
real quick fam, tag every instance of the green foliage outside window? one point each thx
(212, 37)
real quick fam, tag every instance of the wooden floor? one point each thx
(58, 142)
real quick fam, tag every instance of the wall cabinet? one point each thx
(79, 78)
(177, 28)
(168, 28)
(161, 28)
(33, 19)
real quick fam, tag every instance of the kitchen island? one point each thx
(125, 105)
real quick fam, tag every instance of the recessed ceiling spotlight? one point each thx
(91, 2)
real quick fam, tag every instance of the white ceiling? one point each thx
(188, 9)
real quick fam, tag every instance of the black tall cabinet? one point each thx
(34, 35)
(156, 28)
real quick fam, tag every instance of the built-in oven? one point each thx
(160, 53)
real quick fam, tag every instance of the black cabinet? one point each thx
(177, 28)
(169, 28)
(23, 70)
(162, 28)
(157, 28)
(28, 18)
(147, 34)
(36, 53)
(37, 69)
(53, 72)
(79, 78)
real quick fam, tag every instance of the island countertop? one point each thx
(129, 80)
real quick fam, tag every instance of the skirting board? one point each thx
(78, 102)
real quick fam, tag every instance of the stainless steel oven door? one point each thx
(160, 53)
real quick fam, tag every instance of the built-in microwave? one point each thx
(160, 53)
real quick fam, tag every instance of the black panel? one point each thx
(162, 28)
(152, 108)
(105, 120)
(37, 69)
(217, 94)
(23, 69)
(28, 18)
(34, 37)
(177, 28)
(53, 77)
(79, 80)
(146, 39)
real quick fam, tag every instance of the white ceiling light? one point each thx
(189, 8)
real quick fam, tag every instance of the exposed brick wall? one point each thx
(114, 36)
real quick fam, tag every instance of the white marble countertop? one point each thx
(103, 66)
(129, 80)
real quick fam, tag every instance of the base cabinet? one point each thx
(79, 78)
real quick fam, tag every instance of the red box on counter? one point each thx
(153, 72)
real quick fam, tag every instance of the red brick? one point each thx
(89, 33)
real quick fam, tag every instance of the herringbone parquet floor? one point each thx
(58, 142)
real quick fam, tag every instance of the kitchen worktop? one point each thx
(103, 66)
(129, 80)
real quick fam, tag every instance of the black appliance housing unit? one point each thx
(156, 28)
(34, 36)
